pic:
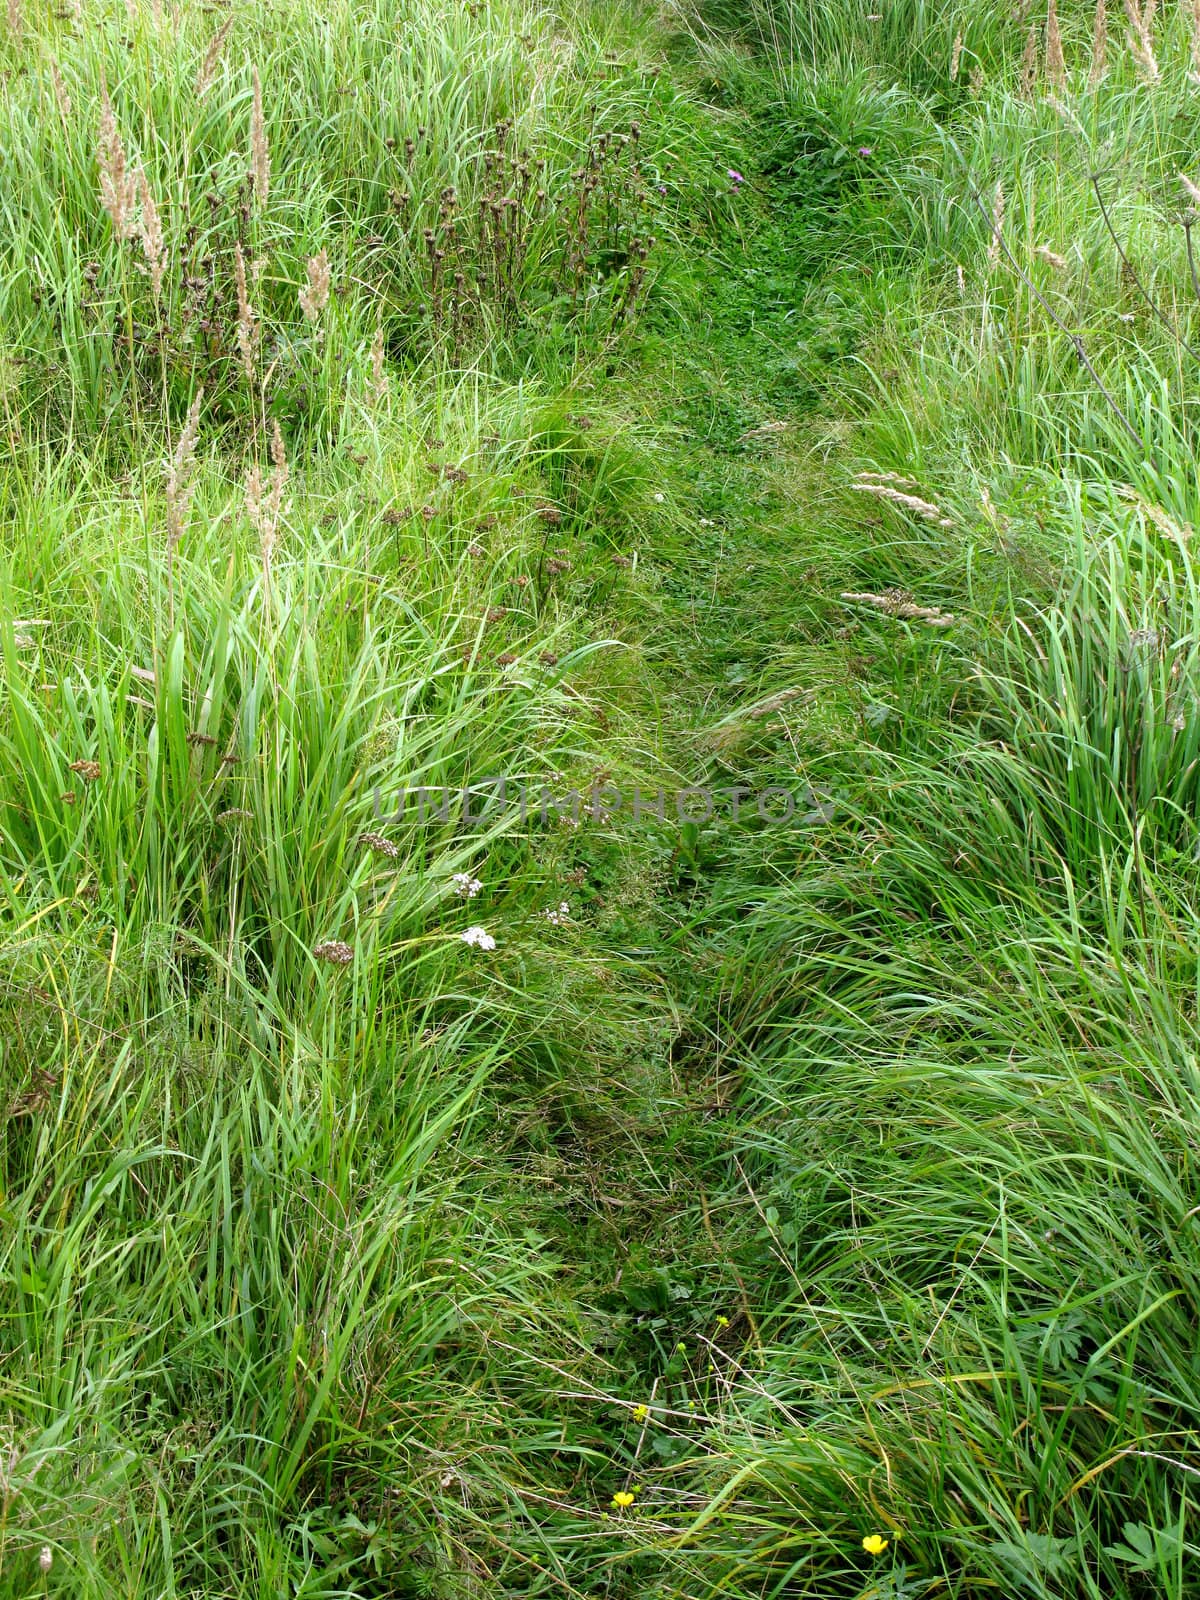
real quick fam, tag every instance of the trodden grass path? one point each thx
(394, 1207)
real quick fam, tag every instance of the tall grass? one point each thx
(287, 534)
(774, 1212)
(967, 1015)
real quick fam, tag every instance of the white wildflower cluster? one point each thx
(466, 885)
(557, 917)
(480, 938)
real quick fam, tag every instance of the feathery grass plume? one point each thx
(1029, 63)
(62, 98)
(956, 56)
(1099, 64)
(884, 489)
(314, 296)
(211, 56)
(1056, 64)
(180, 472)
(152, 234)
(117, 194)
(260, 154)
(993, 250)
(15, 20)
(247, 331)
(895, 603)
(1192, 187)
(1141, 36)
(1178, 533)
(1044, 253)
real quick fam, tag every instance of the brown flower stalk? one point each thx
(335, 951)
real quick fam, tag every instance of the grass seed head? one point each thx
(378, 374)
(211, 56)
(260, 154)
(61, 98)
(152, 234)
(179, 475)
(993, 250)
(1141, 36)
(314, 296)
(117, 193)
(1056, 65)
(246, 324)
(1099, 64)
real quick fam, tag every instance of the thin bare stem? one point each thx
(1076, 339)
(1191, 255)
(1133, 273)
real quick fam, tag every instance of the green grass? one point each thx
(804, 1183)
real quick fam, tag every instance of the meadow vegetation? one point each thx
(753, 394)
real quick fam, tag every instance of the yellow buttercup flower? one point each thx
(640, 1413)
(622, 1499)
(722, 1322)
(874, 1545)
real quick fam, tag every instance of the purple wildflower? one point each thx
(865, 150)
(736, 176)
